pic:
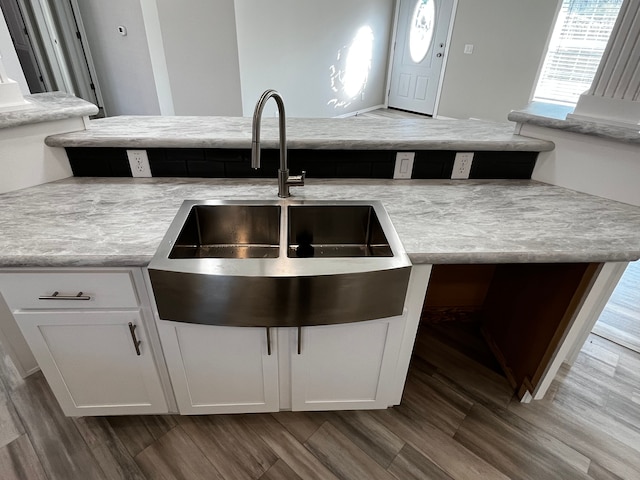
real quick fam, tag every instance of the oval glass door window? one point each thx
(421, 29)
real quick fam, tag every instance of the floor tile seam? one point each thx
(46, 474)
(541, 445)
(454, 391)
(120, 445)
(404, 442)
(157, 440)
(582, 424)
(461, 446)
(287, 429)
(577, 445)
(205, 455)
(616, 343)
(14, 412)
(327, 465)
(292, 438)
(29, 436)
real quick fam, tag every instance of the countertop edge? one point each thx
(526, 144)
(47, 107)
(609, 132)
(142, 261)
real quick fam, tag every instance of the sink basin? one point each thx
(229, 231)
(279, 263)
(335, 231)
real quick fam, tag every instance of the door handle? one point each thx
(56, 296)
(299, 340)
(136, 342)
(268, 341)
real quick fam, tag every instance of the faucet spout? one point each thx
(284, 180)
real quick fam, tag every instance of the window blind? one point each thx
(578, 41)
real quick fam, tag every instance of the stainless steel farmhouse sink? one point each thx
(279, 263)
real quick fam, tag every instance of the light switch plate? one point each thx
(404, 165)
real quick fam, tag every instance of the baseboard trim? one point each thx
(358, 112)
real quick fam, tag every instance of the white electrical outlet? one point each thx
(462, 165)
(404, 164)
(139, 163)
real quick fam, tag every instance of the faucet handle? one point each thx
(297, 180)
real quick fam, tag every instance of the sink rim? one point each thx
(283, 265)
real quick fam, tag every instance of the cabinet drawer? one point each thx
(24, 291)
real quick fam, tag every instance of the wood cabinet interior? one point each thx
(524, 310)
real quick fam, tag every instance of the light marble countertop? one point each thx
(46, 107)
(555, 116)
(87, 222)
(353, 133)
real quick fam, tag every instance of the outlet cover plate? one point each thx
(139, 163)
(404, 165)
(462, 165)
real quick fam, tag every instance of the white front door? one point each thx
(421, 36)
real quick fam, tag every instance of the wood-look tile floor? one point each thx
(458, 419)
(620, 320)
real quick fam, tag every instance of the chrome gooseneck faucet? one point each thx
(284, 180)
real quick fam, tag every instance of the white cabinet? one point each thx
(91, 362)
(346, 367)
(83, 328)
(218, 369)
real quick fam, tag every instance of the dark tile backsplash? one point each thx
(236, 163)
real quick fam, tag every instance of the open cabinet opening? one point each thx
(509, 318)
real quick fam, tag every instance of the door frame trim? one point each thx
(392, 50)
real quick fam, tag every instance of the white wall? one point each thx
(26, 161)
(509, 39)
(123, 63)
(589, 164)
(201, 54)
(291, 45)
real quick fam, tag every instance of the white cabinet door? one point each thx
(91, 363)
(345, 367)
(217, 369)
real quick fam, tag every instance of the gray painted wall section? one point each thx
(509, 38)
(123, 63)
(292, 45)
(201, 54)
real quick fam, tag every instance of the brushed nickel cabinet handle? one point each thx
(136, 342)
(268, 340)
(57, 296)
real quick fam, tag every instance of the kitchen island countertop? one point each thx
(91, 222)
(353, 133)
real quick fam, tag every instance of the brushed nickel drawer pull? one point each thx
(268, 341)
(136, 342)
(57, 296)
